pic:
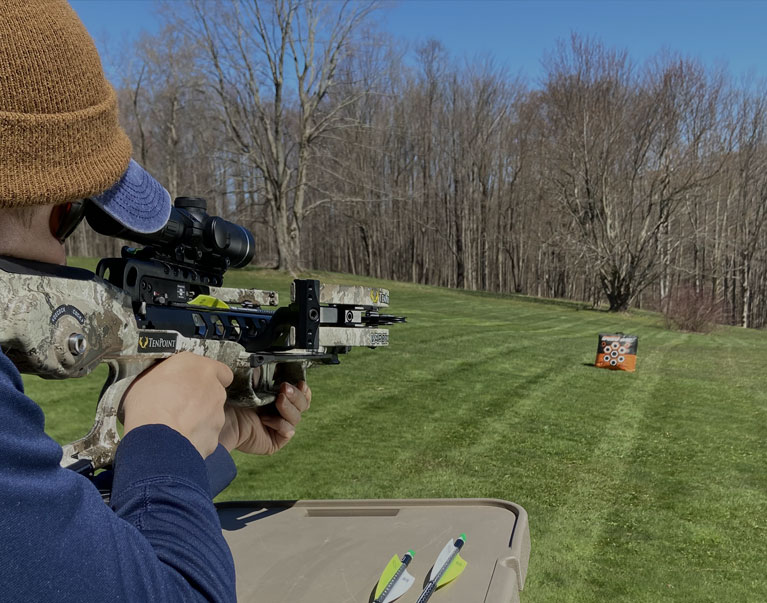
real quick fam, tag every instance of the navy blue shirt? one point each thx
(160, 540)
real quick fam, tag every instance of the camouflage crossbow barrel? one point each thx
(167, 297)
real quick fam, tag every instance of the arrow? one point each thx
(394, 581)
(447, 568)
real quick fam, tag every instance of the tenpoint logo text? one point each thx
(151, 342)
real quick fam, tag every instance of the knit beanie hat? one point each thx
(59, 134)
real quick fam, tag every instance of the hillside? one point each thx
(639, 487)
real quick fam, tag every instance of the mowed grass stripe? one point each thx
(699, 493)
(490, 386)
(572, 534)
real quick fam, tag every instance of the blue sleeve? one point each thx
(219, 466)
(160, 541)
(221, 470)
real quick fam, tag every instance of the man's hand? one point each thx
(267, 429)
(185, 392)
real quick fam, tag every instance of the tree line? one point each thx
(609, 181)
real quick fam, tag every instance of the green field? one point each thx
(649, 486)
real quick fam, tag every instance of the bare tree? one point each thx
(273, 68)
(626, 150)
(745, 180)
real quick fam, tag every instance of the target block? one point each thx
(617, 351)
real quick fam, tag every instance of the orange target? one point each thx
(617, 352)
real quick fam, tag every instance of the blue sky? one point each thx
(518, 32)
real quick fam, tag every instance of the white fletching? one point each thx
(400, 587)
(442, 559)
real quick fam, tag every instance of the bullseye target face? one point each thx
(617, 352)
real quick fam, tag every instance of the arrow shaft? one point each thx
(391, 583)
(401, 580)
(432, 585)
(427, 592)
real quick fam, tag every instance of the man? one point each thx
(161, 539)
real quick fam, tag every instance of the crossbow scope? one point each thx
(191, 237)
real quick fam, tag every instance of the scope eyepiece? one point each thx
(230, 239)
(190, 236)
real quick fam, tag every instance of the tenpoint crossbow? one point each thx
(168, 297)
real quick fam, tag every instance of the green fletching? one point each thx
(453, 571)
(387, 575)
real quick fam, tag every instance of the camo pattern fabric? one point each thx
(59, 328)
(239, 296)
(331, 337)
(100, 443)
(351, 295)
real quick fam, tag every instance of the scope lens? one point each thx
(230, 240)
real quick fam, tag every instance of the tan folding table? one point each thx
(333, 551)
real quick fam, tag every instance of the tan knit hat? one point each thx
(59, 134)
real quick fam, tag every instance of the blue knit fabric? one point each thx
(160, 540)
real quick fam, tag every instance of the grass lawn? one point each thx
(649, 486)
